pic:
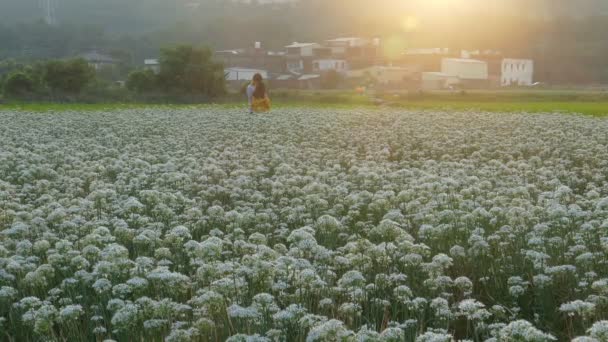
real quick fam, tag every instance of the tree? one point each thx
(69, 76)
(142, 81)
(18, 84)
(190, 71)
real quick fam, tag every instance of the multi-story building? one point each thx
(299, 57)
(517, 72)
(253, 58)
(358, 52)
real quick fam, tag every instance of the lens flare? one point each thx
(394, 47)
(410, 23)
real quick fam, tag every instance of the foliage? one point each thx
(18, 84)
(187, 74)
(68, 76)
(317, 225)
(188, 70)
(142, 81)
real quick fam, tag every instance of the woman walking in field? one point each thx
(258, 96)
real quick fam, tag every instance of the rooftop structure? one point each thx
(98, 60)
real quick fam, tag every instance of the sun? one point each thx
(410, 23)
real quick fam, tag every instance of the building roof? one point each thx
(344, 39)
(437, 73)
(231, 52)
(308, 77)
(96, 57)
(394, 68)
(384, 67)
(427, 51)
(464, 60)
(284, 77)
(299, 45)
(520, 60)
(151, 61)
(329, 60)
(239, 69)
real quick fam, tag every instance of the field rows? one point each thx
(208, 224)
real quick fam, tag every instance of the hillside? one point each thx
(128, 16)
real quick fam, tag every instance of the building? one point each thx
(340, 46)
(309, 81)
(471, 72)
(325, 65)
(437, 81)
(236, 77)
(255, 57)
(425, 59)
(152, 64)
(243, 74)
(302, 49)
(299, 57)
(284, 81)
(98, 60)
(358, 52)
(517, 72)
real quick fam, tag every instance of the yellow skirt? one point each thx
(260, 105)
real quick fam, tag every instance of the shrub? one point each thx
(18, 84)
(68, 77)
(142, 81)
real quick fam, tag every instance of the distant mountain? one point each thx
(147, 15)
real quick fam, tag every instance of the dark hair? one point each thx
(260, 88)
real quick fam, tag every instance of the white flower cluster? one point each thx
(200, 224)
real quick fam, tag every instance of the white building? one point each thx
(152, 64)
(302, 49)
(295, 65)
(518, 72)
(340, 45)
(98, 60)
(243, 74)
(465, 69)
(323, 65)
(437, 81)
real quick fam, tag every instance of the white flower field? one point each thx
(303, 225)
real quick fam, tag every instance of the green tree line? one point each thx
(186, 73)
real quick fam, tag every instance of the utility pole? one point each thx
(49, 8)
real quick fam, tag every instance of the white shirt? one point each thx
(250, 91)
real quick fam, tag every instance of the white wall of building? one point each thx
(340, 45)
(517, 72)
(152, 64)
(243, 74)
(304, 49)
(320, 65)
(295, 65)
(437, 81)
(465, 69)
(308, 50)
